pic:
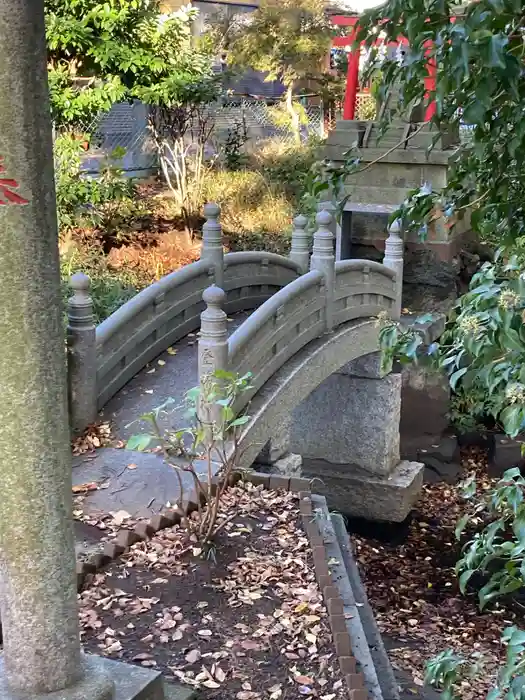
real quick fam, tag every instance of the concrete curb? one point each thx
(385, 673)
(352, 610)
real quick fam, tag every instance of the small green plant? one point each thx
(482, 351)
(234, 156)
(497, 551)
(446, 670)
(83, 200)
(110, 288)
(212, 437)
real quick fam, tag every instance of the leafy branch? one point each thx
(212, 439)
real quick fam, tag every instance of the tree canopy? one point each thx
(103, 52)
(478, 51)
(289, 40)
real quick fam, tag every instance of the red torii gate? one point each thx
(352, 77)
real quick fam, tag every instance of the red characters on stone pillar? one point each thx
(8, 187)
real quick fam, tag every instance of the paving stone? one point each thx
(144, 530)
(259, 479)
(125, 538)
(112, 550)
(342, 644)
(178, 692)
(142, 492)
(347, 665)
(437, 471)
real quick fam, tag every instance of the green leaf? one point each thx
(239, 421)
(474, 113)
(512, 339)
(456, 376)
(512, 418)
(465, 578)
(139, 442)
(518, 526)
(518, 637)
(462, 523)
(498, 44)
(486, 594)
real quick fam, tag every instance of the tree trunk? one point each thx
(294, 116)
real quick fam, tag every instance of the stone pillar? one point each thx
(81, 355)
(347, 432)
(213, 346)
(356, 412)
(323, 259)
(38, 597)
(300, 250)
(393, 259)
(212, 250)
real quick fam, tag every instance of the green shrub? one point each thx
(255, 215)
(109, 288)
(497, 551)
(447, 670)
(85, 201)
(286, 165)
(482, 351)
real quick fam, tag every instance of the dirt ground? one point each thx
(247, 623)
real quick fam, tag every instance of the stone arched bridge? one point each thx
(311, 346)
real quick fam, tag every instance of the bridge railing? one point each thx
(101, 360)
(331, 294)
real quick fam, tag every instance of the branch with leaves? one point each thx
(213, 441)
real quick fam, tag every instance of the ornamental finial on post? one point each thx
(300, 250)
(393, 259)
(212, 249)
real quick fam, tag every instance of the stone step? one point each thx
(142, 490)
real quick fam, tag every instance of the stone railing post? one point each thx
(300, 250)
(212, 249)
(81, 355)
(327, 202)
(213, 348)
(394, 247)
(323, 259)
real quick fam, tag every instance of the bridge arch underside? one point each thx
(330, 404)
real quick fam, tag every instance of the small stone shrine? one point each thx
(408, 155)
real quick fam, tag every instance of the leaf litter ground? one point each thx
(249, 625)
(413, 590)
(410, 582)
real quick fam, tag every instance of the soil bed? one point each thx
(249, 624)
(414, 593)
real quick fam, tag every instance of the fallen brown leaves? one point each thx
(95, 436)
(251, 625)
(414, 593)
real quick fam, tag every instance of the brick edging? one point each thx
(144, 530)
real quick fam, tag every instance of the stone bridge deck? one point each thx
(143, 490)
